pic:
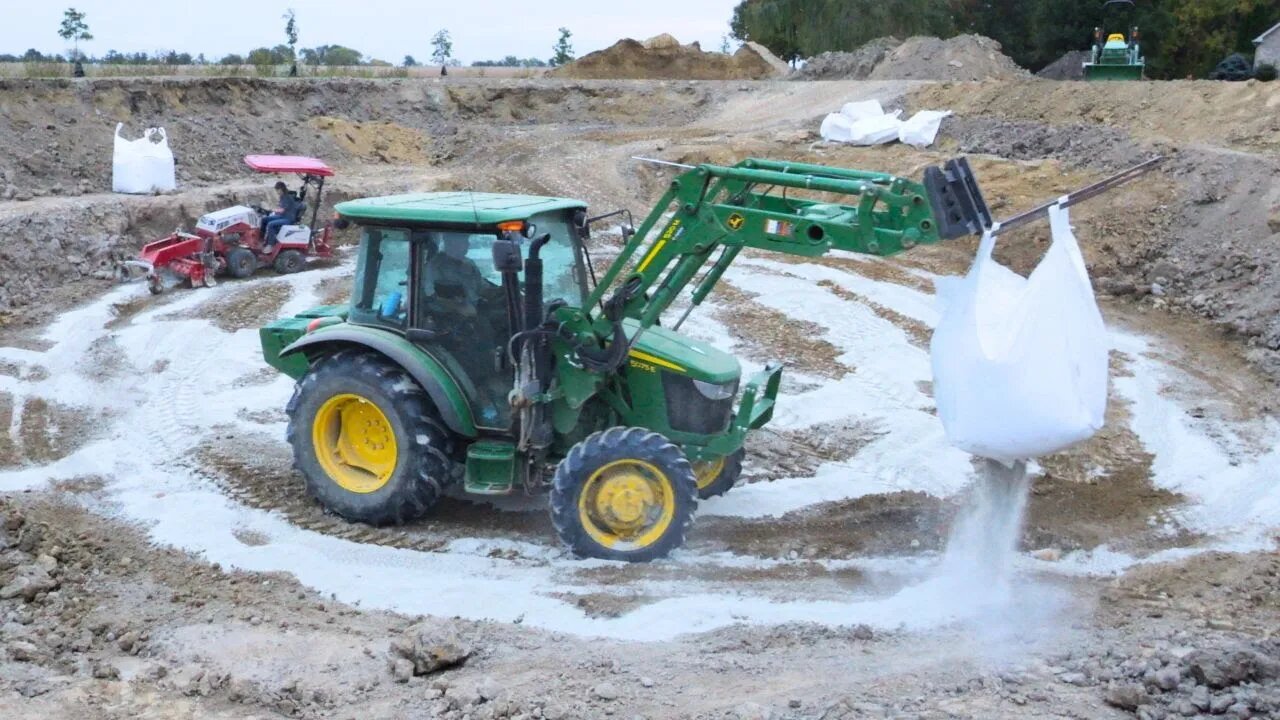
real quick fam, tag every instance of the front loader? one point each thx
(478, 347)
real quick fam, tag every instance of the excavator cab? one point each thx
(1115, 57)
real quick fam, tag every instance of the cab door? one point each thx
(461, 312)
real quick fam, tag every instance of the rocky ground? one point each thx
(158, 559)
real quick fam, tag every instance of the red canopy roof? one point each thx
(288, 164)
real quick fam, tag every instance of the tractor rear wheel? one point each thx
(624, 494)
(368, 440)
(241, 262)
(289, 262)
(718, 476)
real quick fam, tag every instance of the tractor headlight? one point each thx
(714, 391)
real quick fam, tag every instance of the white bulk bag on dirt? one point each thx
(835, 128)
(876, 130)
(862, 109)
(922, 129)
(1020, 364)
(144, 165)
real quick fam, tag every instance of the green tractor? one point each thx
(1113, 57)
(478, 347)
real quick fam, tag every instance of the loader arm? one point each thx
(710, 213)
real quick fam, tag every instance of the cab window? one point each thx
(379, 295)
(561, 277)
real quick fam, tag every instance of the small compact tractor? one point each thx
(230, 242)
(1113, 57)
(478, 348)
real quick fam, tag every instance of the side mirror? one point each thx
(530, 229)
(627, 232)
(341, 223)
(506, 256)
(581, 224)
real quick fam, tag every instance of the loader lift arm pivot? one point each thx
(713, 207)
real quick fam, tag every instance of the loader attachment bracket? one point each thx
(957, 202)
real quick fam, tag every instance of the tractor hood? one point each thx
(672, 351)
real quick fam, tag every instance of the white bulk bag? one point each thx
(144, 165)
(862, 109)
(875, 130)
(922, 129)
(835, 128)
(1020, 364)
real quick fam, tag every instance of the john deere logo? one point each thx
(736, 221)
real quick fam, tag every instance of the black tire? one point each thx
(289, 262)
(241, 262)
(601, 450)
(423, 447)
(725, 478)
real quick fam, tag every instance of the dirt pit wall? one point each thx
(56, 135)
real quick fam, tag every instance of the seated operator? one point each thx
(453, 278)
(284, 214)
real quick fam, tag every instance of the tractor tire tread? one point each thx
(241, 262)
(289, 262)
(727, 478)
(424, 475)
(605, 446)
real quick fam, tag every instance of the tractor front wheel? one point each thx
(241, 262)
(368, 440)
(717, 477)
(624, 494)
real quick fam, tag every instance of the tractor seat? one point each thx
(299, 213)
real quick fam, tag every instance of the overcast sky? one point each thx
(384, 29)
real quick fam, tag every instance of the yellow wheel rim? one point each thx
(627, 505)
(354, 443)
(706, 471)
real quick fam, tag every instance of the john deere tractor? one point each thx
(1114, 57)
(479, 348)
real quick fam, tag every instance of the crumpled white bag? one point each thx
(876, 130)
(1020, 364)
(866, 123)
(862, 109)
(922, 129)
(144, 165)
(835, 128)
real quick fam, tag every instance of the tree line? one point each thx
(1180, 38)
(75, 28)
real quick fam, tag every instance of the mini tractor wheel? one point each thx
(624, 494)
(289, 262)
(367, 439)
(241, 262)
(718, 476)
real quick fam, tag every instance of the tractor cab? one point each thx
(428, 269)
(1115, 57)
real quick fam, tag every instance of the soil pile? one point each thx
(964, 57)
(1068, 67)
(663, 57)
(856, 65)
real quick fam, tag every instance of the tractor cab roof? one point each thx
(452, 208)
(288, 164)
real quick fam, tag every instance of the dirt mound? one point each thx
(663, 57)
(964, 57)
(1068, 67)
(856, 65)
